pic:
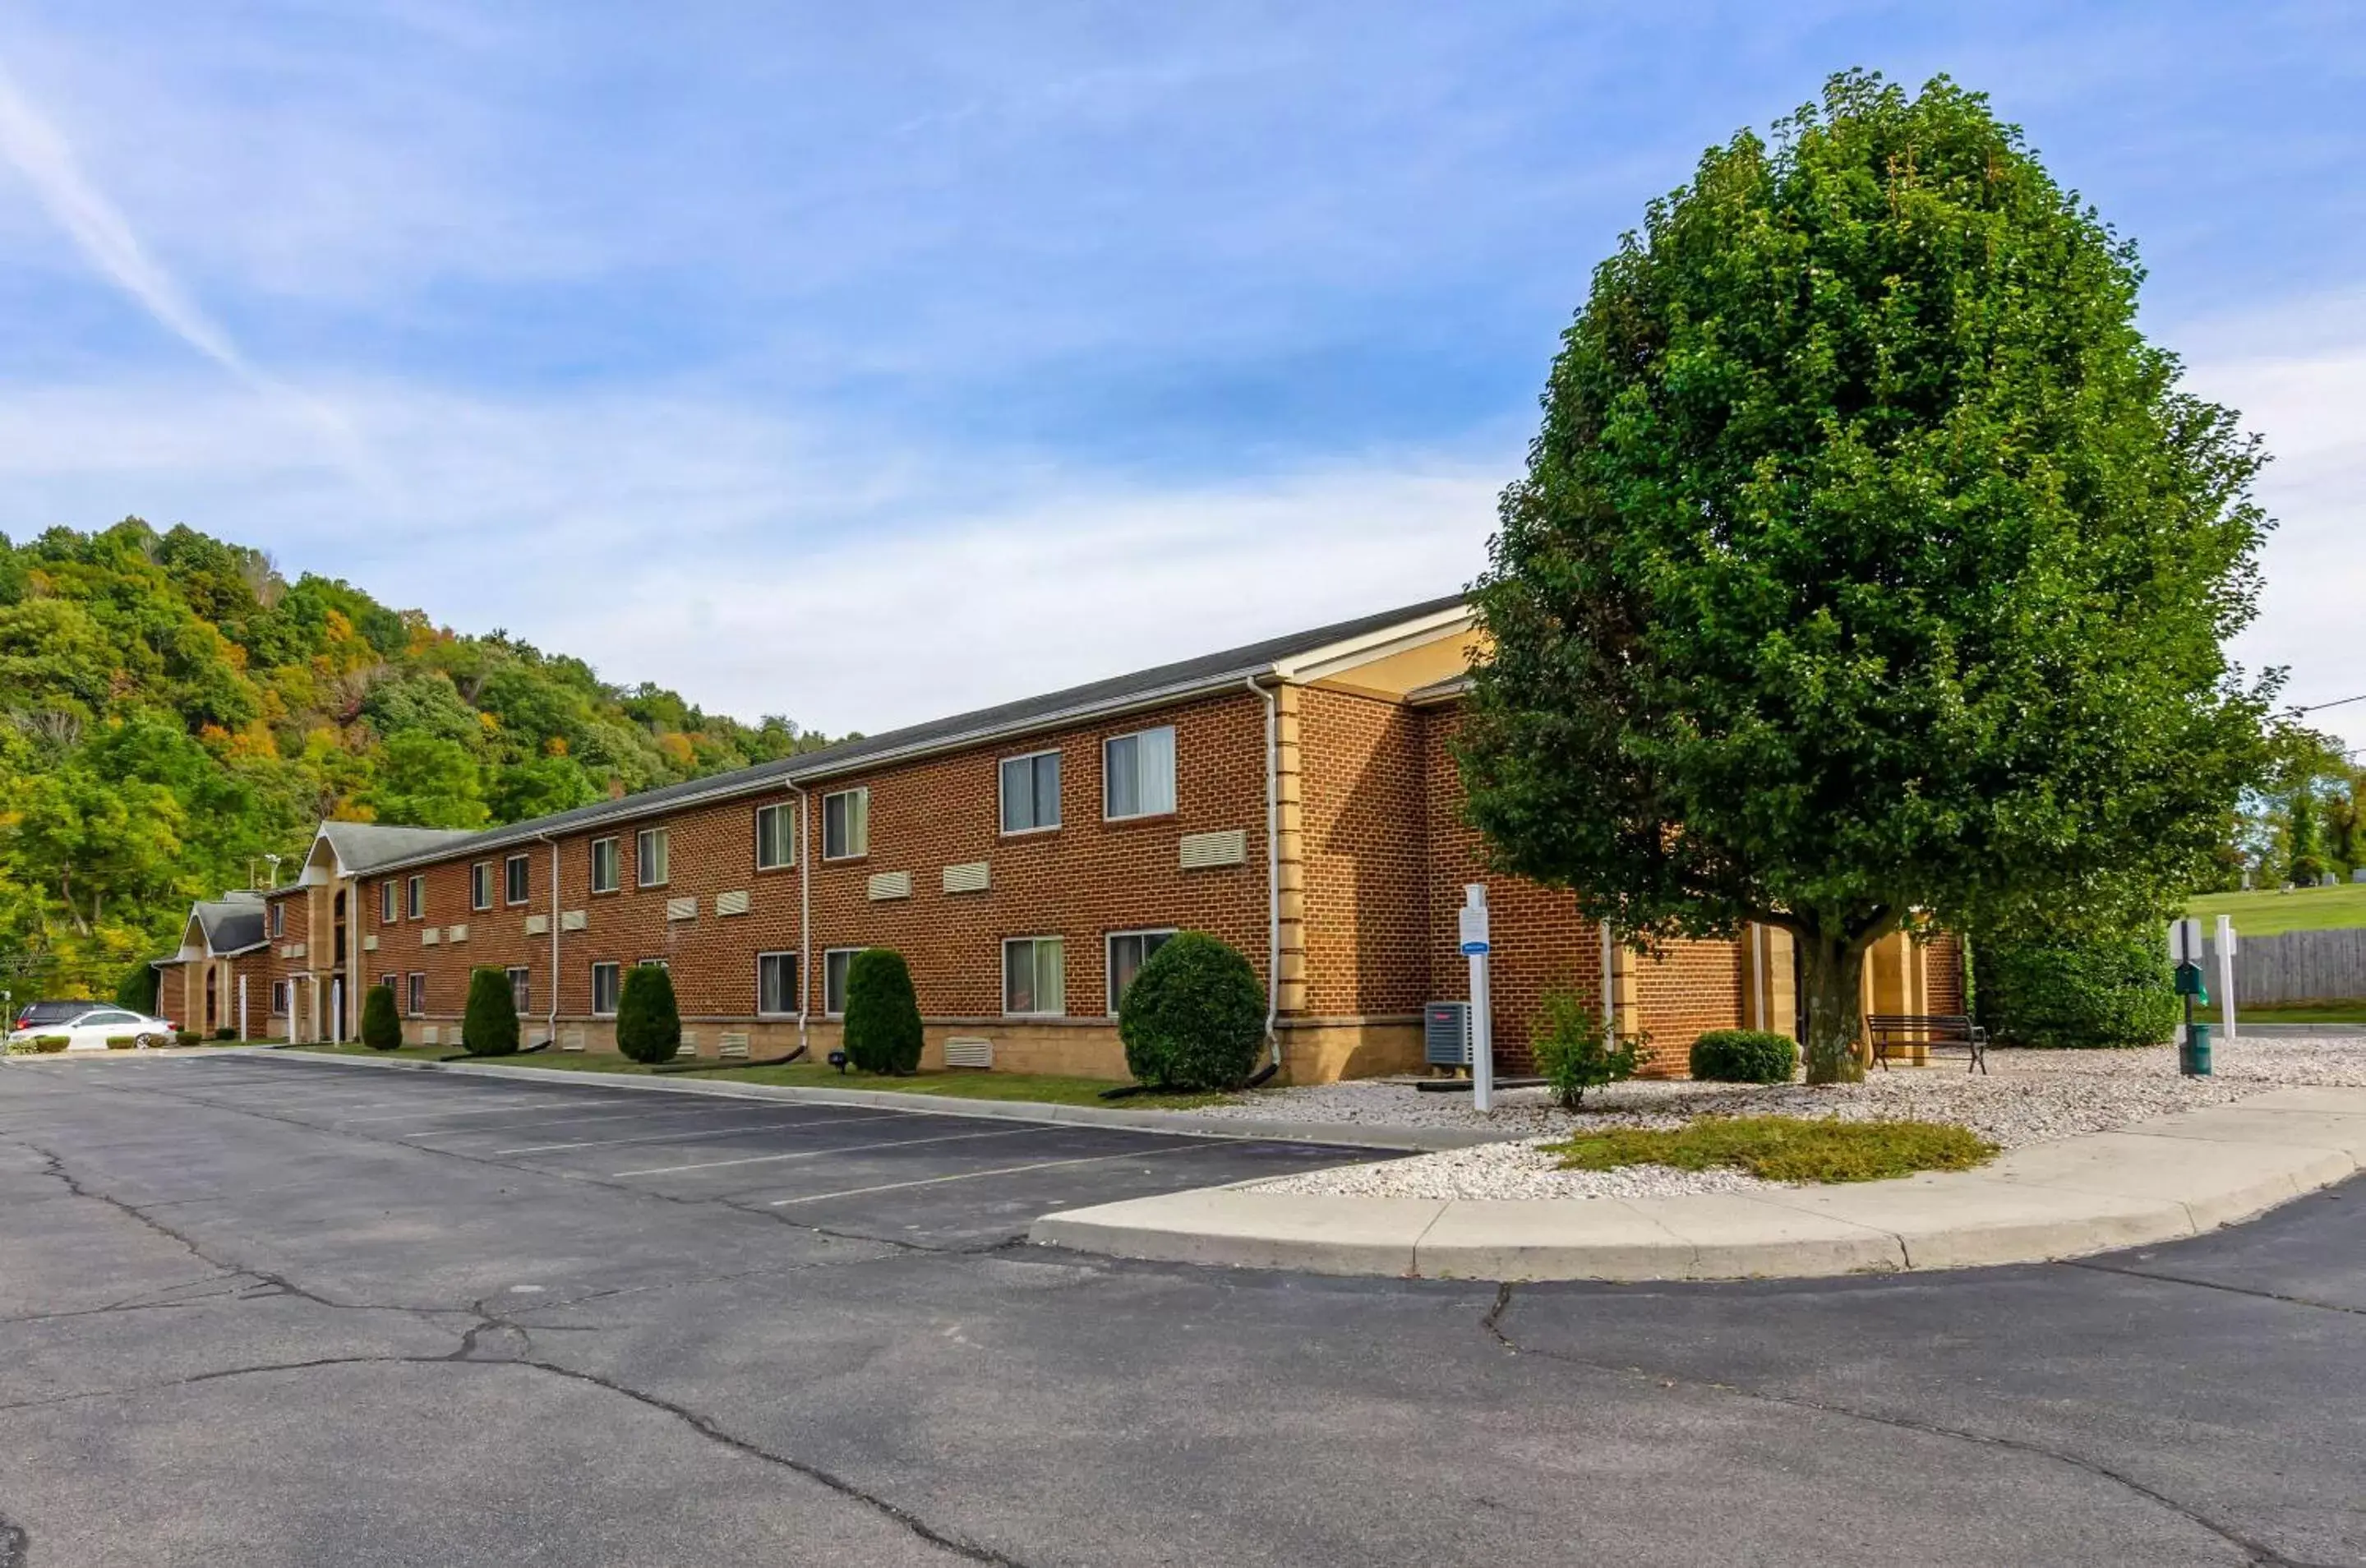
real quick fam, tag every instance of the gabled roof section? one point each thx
(219, 927)
(353, 847)
(1165, 682)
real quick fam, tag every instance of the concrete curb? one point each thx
(1351, 1136)
(2178, 1176)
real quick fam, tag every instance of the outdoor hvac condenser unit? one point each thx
(1446, 1034)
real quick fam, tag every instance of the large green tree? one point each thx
(1870, 567)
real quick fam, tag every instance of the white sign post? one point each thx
(1475, 947)
(242, 1007)
(2226, 971)
(337, 1009)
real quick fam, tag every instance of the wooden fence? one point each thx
(2298, 966)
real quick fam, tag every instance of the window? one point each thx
(387, 980)
(418, 1003)
(833, 979)
(846, 824)
(481, 885)
(1138, 773)
(278, 919)
(278, 999)
(518, 876)
(386, 915)
(651, 847)
(522, 991)
(416, 900)
(1034, 976)
(776, 984)
(604, 865)
(1030, 793)
(1127, 952)
(606, 980)
(652, 964)
(776, 837)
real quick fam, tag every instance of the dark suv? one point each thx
(41, 1015)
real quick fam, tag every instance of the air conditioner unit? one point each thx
(1446, 1034)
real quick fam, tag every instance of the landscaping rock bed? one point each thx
(2028, 1097)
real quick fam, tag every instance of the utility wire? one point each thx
(2338, 702)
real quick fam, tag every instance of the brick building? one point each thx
(1296, 797)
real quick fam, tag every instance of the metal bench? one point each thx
(1932, 1032)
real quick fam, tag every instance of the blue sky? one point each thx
(863, 363)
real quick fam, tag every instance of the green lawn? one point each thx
(2329, 1012)
(1037, 1087)
(2270, 913)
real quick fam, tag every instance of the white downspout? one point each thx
(553, 938)
(804, 915)
(1272, 864)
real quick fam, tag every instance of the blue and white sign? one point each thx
(1474, 949)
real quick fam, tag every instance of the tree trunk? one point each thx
(1831, 976)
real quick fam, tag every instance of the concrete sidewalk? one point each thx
(2158, 1180)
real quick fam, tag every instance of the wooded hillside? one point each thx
(172, 711)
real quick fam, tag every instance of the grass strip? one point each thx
(1784, 1148)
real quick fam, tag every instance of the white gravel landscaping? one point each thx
(2028, 1097)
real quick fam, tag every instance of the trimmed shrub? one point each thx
(1194, 1018)
(188, 1037)
(490, 1026)
(1574, 1053)
(225, 1032)
(649, 1025)
(1744, 1056)
(882, 1014)
(50, 1044)
(121, 1041)
(381, 1024)
(2063, 992)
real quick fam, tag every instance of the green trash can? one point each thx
(2193, 1056)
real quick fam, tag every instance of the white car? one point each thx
(93, 1030)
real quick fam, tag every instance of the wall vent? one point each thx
(732, 902)
(973, 876)
(891, 884)
(1201, 850)
(429, 1035)
(297, 950)
(369, 943)
(682, 909)
(429, 936)
(455, 933)
(734, 1042)
(570, 1039)
(969, 1051)
(689, 1043)
(537, 925)
(573, 920)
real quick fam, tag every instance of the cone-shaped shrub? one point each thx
(649, 1026)
(489, 1028)
(381, 1024)
(1194, 1017)
(882, 1016)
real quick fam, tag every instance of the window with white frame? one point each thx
(834, 965)
(388, 981)
(280, 999)
(522, 991)
(1034, 976)
(1128, 952)
(1030, 793)
(278, 919)
(652, 964)
(386, 915)
(776, 984)
(652, 850)
(1138, 773)
(481, 885)
(604, 865)
(846, 824)
(776, 837)
(607, 981)
(517, 876)
(418, 1001)
(415, 900)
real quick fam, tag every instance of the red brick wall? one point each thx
(1364, 833)
(1946, 971)
(1080, 881)
(1686, 990)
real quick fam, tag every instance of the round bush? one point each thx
(381, 1024)
(2061, 992)
(121, 1041)
(1744, 1056)
(649, 1025)
(882, 1014)
(1194, 1017)
(490, 1027)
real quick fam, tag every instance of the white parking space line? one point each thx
(685, 1137)
(508, 1109)
(999, 1170)
(644, 1113)
(817, 1154)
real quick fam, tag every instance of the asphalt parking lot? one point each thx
(273, 1313)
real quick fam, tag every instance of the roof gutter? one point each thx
(1272, 864)
(552, 1039)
